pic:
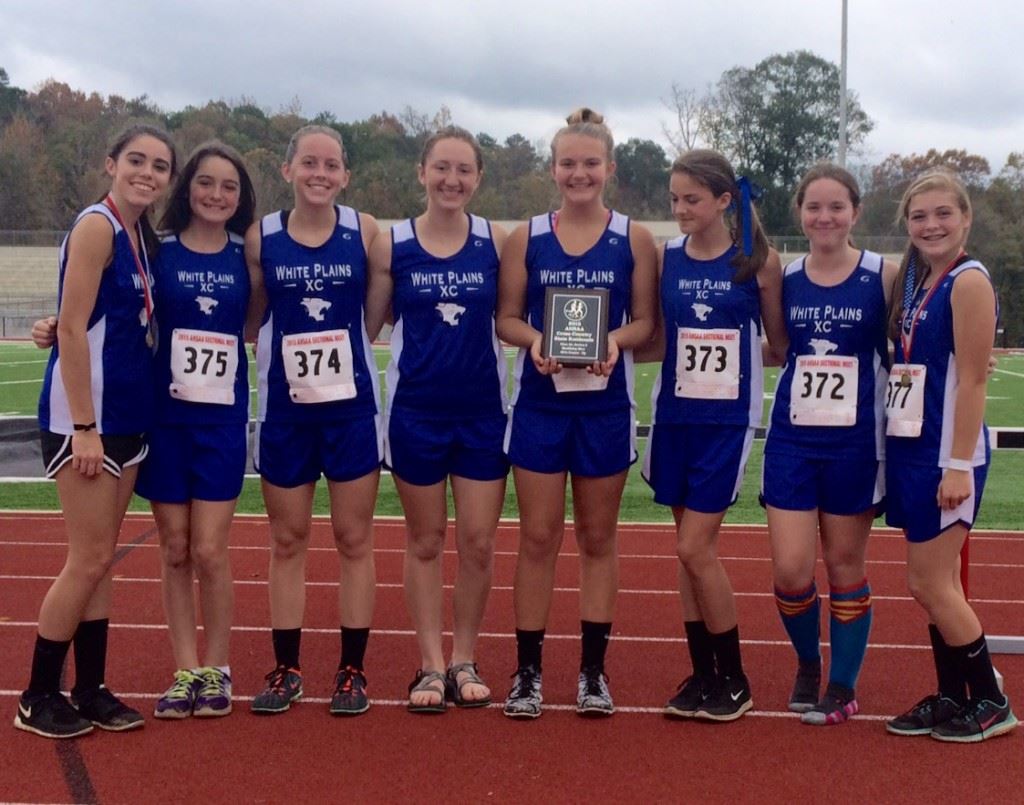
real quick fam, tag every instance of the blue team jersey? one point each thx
(712, 371)
(314, 358)
(934, 348)
(830, 398)
(607, 264)
(121, 363)
(446, 360)
(202, 373)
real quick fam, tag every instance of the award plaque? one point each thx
(575, 325)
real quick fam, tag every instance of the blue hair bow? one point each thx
(749, 193)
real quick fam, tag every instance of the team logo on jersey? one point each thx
(822, 347)
(315, 307)
(478, 243)
(450, 312)
(702, 311)
(613, 241)
(206, 304)
(865, 278)
(575, 310)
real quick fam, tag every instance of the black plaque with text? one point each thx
(575, 325)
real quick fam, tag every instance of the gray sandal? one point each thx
(423, 684)
(472, 678)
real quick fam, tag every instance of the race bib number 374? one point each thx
(318, 366)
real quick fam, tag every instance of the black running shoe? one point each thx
(50, 715)
(835, 707)
(524, 700)
(284, 686)
(728, 699)
(349, 697)
(689, 696)
(805, 688)
(106, 711)
(924, 716)
(592, 695)
(979, 720)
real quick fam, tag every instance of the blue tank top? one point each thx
(446, 360)
(314, 358)
(712, 372)
(607, 264)
(121, 363)
(836, 342)
(201, 303)
(933, 347)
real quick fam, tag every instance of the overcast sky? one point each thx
(936, 74)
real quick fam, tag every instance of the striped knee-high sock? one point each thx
(801, 612)
(849, 625)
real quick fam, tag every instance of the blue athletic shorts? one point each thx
(911, 504)
(426, 451)
(290, 454)
(698, 467)
(194, 462)
(833, 486)
(591, 445)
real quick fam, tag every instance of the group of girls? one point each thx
(321, 281)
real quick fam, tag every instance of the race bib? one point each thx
(318, 366)
(203, 366)
(578, 379)
(904, 399)
(824, 391)
(708, 364)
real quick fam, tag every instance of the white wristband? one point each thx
(960, 464)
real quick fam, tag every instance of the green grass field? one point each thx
(22, 366)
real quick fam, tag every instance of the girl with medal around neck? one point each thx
(446, 408)
(319, 407)
(943, 323)
(719, 281)
(95, 407)
(578, 421)
(822, 470)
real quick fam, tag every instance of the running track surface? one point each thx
(478, 755)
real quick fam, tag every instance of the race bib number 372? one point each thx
(318, 366)
(824, 391)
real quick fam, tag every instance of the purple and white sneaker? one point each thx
(180, 698)
(214, 698)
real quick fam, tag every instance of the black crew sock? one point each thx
(286, 646)
(702, 652)
(529, 643)
(595, 643)
(727, 652)
(47, 664)
(90, 654)
(948, 671)
(353, 646)
(978, 670)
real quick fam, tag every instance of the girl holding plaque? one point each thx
(318, 407)
(445, 416)
(822, 471)
(943, 324)
(577, 422)
(95, 407)
(719, 281)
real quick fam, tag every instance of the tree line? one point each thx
(773, 120)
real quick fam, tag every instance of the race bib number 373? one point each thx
(708, 364)
(824, 391)
(318, 366)
(203, 366)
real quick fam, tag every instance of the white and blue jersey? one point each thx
(201, 365)
(712, 371)
(121, 363)
(607, 264)
(314, 357)
(933, 347)
(830, 398)
(446, 360)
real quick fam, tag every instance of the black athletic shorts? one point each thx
(118, 451)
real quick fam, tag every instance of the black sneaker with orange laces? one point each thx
(349, 697)
(284, 686)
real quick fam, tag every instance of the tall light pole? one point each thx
(842, 95)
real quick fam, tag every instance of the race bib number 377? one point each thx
(904, 400)
(203, 366)
(318, 366)
(824, 391)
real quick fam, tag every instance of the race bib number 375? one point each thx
(824, 391)
(203, 366)
(318, 366)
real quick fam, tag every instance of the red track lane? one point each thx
(389, 755)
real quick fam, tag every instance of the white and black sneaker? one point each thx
(524, 699)
(728, 699)
(592, 695)
(50, 715)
